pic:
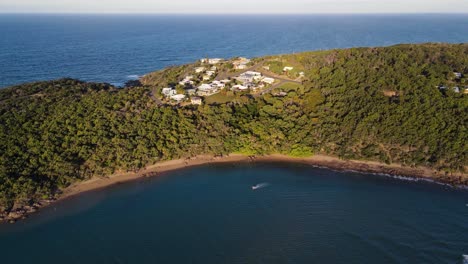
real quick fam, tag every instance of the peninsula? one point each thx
(401, 110)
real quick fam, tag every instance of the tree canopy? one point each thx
(379, 104)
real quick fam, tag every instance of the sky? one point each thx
(233, 6)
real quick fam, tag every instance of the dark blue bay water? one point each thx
(115, 48)
(210, 214)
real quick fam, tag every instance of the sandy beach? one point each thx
(317, 160)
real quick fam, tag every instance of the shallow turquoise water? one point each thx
(210, 214)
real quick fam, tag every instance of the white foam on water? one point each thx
(260, 185)
(133, 77)
(465, 259)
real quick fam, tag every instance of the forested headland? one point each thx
(393, 104)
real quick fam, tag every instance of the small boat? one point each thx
(260, 185)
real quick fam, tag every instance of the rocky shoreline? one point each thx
(20, 212)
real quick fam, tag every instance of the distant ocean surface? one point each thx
(210, 214)
(118, 48)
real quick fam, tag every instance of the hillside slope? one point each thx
(380, 104)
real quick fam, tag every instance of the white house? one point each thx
(249, 76)
(199, 69)
(210, 73)
(168, 92)
(225, 81)
(205, 86)
(212, 60)
(240, 87)
(187, 80)
(253, 73)
(241, 63)
(458, 75)
(268, 80)
(218, 84)
(206, 77)
(178, 97)
(196, 100)
(191, 91)
(288, 68)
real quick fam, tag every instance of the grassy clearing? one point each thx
(219, 98)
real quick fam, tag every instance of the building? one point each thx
(210, 73)
(249, 76)
(205, 86)
(191, 91)
(168, 92)
(199, 69)
(178, 97)
(212, 61)
(218, 84)
(196, 100)
(456, 89)
(187, 80)
(240, 87)
(288, 68)
(240, 63)
(268, 80)
(206, 77)
(207, 89)
(458, 75)
(225, 81)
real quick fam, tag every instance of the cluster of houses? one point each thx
(253, 80)
(189, 81)
(207, 89)
(206, 74)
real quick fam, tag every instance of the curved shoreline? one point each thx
(323, 161)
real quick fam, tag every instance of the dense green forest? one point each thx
(378, 104)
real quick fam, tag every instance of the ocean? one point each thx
(118, 48)
(211, 214)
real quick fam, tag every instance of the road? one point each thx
(156, 100)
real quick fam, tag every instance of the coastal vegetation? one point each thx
(382, 104)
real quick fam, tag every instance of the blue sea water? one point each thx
(210, 214)
(117, 48)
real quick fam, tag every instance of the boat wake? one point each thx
(260, 186)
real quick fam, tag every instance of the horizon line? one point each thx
(234, 13)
